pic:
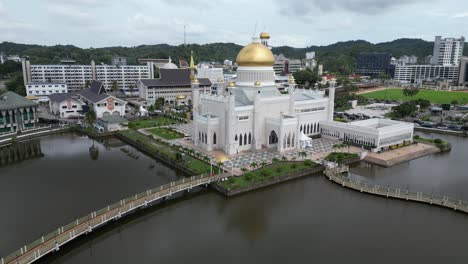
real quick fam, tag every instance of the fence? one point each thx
(62, 235)
(334, 174)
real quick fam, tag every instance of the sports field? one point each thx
(436, 97)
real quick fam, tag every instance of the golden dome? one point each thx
(255, 54)
(265, 35)
(231, 84)
(257, 83)
(195, 81)
(181, 97)
(291, 77)
(220, 80)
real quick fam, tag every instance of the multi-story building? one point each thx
(284, 65)
(78, 77)
(174, 85)
(408, 60)
(373, 64)
(16, 113)
(209, 72)
(43, 90)
(463, 76)
(419, 73)
(448, 51)
(309, 61)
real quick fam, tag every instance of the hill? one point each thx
(338, 57)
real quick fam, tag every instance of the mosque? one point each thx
(252, 114)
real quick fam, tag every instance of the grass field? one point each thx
(166, 133)
(151, 122)
(436, 97)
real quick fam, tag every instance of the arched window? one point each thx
(235, 138)
(250, 138)
(301, 128)
(214, 138)
(308, 128)
(240, 140)
(273, 138)
(199, 135)
(245, 139)
(206, 138)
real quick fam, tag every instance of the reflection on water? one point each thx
(20, 151)
(74, 176)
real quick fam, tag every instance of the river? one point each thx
(309, 220)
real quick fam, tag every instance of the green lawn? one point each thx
(274, 170)
(190, 162)
(339, 157)
(436, 97)
(166, 133)
(151, 122)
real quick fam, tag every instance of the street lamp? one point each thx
(232, 166)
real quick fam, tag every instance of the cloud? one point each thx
(460, 15)
(194, 4)
(315, 7)
(81, 3)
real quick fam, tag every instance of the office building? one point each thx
(285, 66)
(373, 64)
(43, 90)
(463, 76)
(448, 51)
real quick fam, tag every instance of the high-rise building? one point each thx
(419, 73)
(77, 76)
(373, 64)
(448, 51)
(463, 76)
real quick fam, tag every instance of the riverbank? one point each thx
(33, 134)
(266, 179)
(441, 131)
(401, 155)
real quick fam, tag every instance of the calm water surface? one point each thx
(310, 220)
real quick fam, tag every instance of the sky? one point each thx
(296, 23)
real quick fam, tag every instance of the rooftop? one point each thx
(11, 100)
(174, 78)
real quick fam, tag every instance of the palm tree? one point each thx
(274, 160)
(253, 165)
(284, 158)
(220, 164)
(302, 154)
(244, 170)
(115, 86)
(262, 164)
(91, 117)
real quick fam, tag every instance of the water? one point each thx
(310, 220)
(39, 195)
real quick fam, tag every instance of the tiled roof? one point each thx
(95, 93)
(174, 77)
(60, 97)
(11, 100)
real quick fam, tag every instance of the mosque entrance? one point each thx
(273, 138)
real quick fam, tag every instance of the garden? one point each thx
(152, 122)
(166, 133)
(341, 157)
(263, 172)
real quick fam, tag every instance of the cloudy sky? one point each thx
(298, 23)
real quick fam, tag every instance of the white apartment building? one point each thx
(43, 90)
(419, 73)
(78, 76)
(284, 65)
(448, 51)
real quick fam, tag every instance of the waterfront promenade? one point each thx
(62, 235)
(335, 174)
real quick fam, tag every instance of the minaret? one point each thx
(331, 101)
(195, 99)
(230, 147)
(292, 95)
(265, 37)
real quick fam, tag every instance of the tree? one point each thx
(302, 154)
(412, 91)
(87, 83)
(91, 117)
(404, 110)
(455, 102)
(383, 76)
(244, 170)
(115, 86)
(159, 103)
(253, 165)
(16, 85)
(284, 158)
(263, 164)
(306, 78)
(274, 160)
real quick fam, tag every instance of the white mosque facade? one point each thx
(253, 114)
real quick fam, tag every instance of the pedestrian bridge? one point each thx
(62, 235)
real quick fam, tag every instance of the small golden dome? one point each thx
(220, 80)
(231, 84)
(255, 54)
(291, 77)
(195, 81)
(257, 83)
(181, 97)
(292, 82)
(265, 35)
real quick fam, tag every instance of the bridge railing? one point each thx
(399, 193)
(50, 241)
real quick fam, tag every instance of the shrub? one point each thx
(266, 173)
(279, 169)
(308, 162)
(293, 166)
(438, 141)
(248, 176)
(416, 137)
